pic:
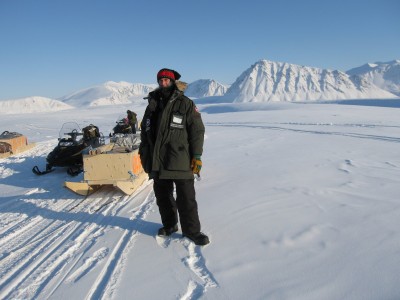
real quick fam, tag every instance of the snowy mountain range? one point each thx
(32, 105)
(385, 75)
(276, 81)
(205, 88)
(263, 81)
(109, 93)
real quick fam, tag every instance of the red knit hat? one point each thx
(168, 73)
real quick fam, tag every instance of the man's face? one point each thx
(164, 82)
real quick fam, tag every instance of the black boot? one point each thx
(198, 238)
(166, 231)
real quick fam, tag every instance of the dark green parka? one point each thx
(171, 135)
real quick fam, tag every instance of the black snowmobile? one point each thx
(72, 143)
(122, 136)
(122, 127)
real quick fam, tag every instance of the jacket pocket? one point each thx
(177, 157)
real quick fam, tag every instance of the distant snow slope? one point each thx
(263, 81)
(205, 88)
(108, 93)
(32, 105)
(385, 75)
(276, 81)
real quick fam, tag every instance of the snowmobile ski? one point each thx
(36, 170)
(72, 144)
(74, 171)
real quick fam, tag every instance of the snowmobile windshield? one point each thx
(122, 120)
(71, 131)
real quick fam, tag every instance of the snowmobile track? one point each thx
(110, 272)
(58, 243)
(38, 248)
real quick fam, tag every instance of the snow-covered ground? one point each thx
(301, 201)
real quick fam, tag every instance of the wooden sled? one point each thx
(109, 165)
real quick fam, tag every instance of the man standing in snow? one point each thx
(172, 138)
(131, 116)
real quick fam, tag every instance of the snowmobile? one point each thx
(115, 164)
(72, 143)
(122, 127)
(12, 143)
(122, 136)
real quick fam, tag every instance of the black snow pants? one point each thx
(185, 204)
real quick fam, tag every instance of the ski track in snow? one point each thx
(106, 282)
(42, 241)
(89, 264)
(39, 248)
(331, 125)
(47, 243)
(196, 263)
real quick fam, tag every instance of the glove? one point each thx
(196, 164)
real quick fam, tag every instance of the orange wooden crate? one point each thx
(103, 166)
(17, 143)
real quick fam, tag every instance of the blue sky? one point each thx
(51, 48)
